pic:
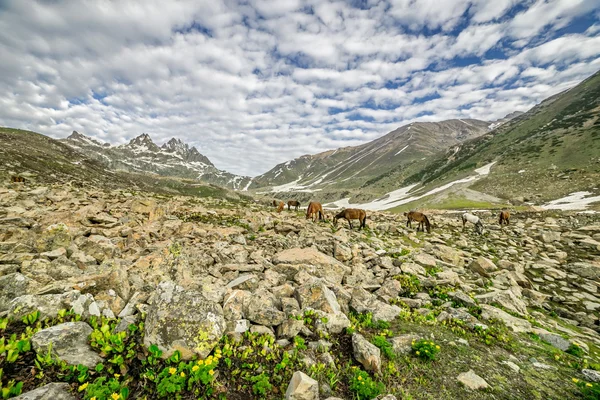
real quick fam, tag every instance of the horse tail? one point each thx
(427, 224)
(321, 215)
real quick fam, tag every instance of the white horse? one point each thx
(475, 220)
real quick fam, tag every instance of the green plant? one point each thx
(385, 346)
(31, 318)
(364, 387)
(589, 390)
(299, 343)
(410, 284)
(102, 388)
(425, 349)
(10, 388)
(175, 249)
(575, 350)
(261, 384)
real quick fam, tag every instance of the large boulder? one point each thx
(472, 381)
(491, 313)
(99, 247)
(302, 387)
(13, 285)
(325, 266)
(68, 342)
(366, 353)
(317, 296)
(585, 270)
(262, 308)
(483, 266)
(51, 391)
(48, 304)
(449, 255)
(183, 320)
(509, 299)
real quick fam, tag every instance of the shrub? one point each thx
(425, 349)
(364, 387)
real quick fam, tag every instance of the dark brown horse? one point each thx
(352, 213)
(314, 210)
(293, 203)
(420, 218)
(504, 217)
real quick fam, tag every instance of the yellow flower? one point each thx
(83, 387)
(588, 384)
(211, 372)
(172, 370)
(182, 374)
(360, 378)
(195, 368)
(93, 398)
(437, 347)
(117, 376)
(575, 380)
(115, 396)
(418, 352)
(362, 383)
(200, 362)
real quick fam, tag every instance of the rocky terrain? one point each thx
(120, 294)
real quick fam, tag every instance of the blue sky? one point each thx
(254, 83)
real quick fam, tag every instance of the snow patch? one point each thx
(404, 148)
(574, 201)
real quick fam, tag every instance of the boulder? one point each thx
(48, 304)
(302, 387)
(509, 299)
(515, 324)
(366, 353)
(317, 296)
(483, 266)
(326, 267)
(68, 342)
(13, 285)
(51, 391)
(472, 381)
(183, 320)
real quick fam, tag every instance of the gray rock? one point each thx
(48, 304)
(591, 375)
(13, 285)
(317, 296)
(326, 267)
(51, 391)
(515, 324)
(483, 266)
(509, 299)
(183, 320)
(550, 236)
(403, 344)
(261, 309)
(472, 381)
(555, 340)
(60, 252)
(462, 298)
(366, 353)
(68, 342)
(302, 387)
(289, 328)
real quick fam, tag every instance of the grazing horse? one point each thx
(275, 203)
(504, 217)
(420, 218)
(475, 220)
(314, 210)
(16, 179)
(350, 214)
(281, 205)
(293, 203)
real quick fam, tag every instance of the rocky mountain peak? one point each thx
(184, 150)
(143, 142)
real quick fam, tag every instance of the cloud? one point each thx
(253, 83)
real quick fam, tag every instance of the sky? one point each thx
(253, 83)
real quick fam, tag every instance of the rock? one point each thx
(289, 328)
(585, 270)
(550, 236)
(68, 342)
(261, 309)
(483, 266)
(327, 267)
(425, 259)
(54, 254)
(317, 296)
(302, 387)
(403, 344)
(48, 304)
(591, 375)
(555, 340)
(462, 298)
(183, 320)
(508, 299)
(366, 353)
(390, 290)
(449, 255)
(472, 381)
(512, 366)
(389, 397)
(51, 391)
(99, 247)
(13, 285)
(515, 324)
(342, 252)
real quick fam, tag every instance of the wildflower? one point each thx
(115, 396)
(437, 347)
(195, 368)
(211, 372)
(418, 352)
(172, 370)
(200, 362)
(575, 380)
(588, 384)
(93, 398)
(83, 387)
(182, 374)
(117, 376)
(360, 378)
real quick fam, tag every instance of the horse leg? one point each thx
(350, 223)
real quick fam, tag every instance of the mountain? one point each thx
(546, 153)
(374, 167)
(141, 154)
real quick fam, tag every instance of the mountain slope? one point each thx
(44, 160)
(173, 158)
(548, 152)
(375, 166)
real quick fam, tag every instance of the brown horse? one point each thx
(280, 207)
(350, 214)
(504, 217)
(314, 209)
(293, 203)
(420, 218)
(16, 179)
(275, 203)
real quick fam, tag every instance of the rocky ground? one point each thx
(115, 294)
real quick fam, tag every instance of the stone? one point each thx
(585, 270)
(261, 309)
(550, 236)
(449, 255)
(389, 290)
(508, 299)
(425, 259)
(412, 268)
(51, 391)
(555, 340)
(515, 324)
(183, 320)
(317, 296)
(48, 305)
(483, 266)
(13, 285)
(462, 298)
(54, 254)
(326, 267)
(342, 252)
(403, 344)
(302, 387)
(68, 342)
(591, 375)
(289, 328)
(366, 353)
(472, 381)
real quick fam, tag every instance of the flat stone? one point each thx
(51, 391)
(302, 387)
(472, 381)
(69, 342)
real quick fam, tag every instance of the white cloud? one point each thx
(251, 83)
